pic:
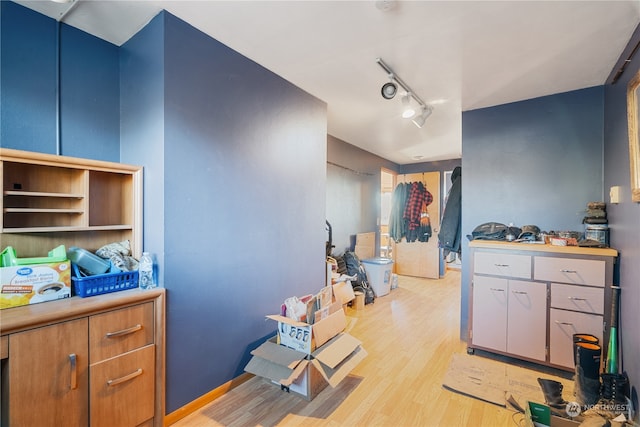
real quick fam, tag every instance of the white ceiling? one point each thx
(455, 55)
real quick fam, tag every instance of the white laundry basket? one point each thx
(379, 274)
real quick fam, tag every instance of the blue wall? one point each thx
(90, 119)
(235, 195)
(353, 192)
(531, 162)
(624, 218)
(235, 172)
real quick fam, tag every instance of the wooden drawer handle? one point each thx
(568, 271)
(577, 299)
(73, 382)
(124, 331)
(120, 380)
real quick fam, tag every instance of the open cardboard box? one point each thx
(304, 358)
(304, 337)
(540, 415)
(307, 374)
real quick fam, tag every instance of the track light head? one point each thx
(389, 90)
(407, 109)
(424, 115)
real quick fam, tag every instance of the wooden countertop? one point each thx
(536, 247)
(35, 315)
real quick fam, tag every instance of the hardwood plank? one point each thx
(410, 336)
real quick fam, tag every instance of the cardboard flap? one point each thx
(281, 374)
(278, 354)
(286, 320)
(277, 363)
(333, 376)
(343, 292)
(336, 350)
(329, 327)
(327, 311)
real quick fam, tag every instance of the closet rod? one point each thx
(350, 170)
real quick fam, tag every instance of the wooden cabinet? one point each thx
(528, 300)
(95, 361)
(85, 361)
(49, 376)
(49, 200)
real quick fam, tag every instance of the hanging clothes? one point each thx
(419, 199)
(397, 226)
(451, 225)
(409, 203)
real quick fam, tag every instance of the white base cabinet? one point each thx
(528, 300)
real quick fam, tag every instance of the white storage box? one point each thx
(379, 274)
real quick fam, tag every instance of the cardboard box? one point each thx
(304, 337)
(343, 292)
(365, 245)
(540, 415)
(307, 374)
(31, 284)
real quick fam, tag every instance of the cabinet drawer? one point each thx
(562, 326)
(577, 298)
(508, 265)
(569, 270)
(119, 331)
(122, 389)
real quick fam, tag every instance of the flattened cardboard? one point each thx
(277, 363)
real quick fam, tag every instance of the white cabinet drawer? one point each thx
(570, 270)
(577, 298)
(562, 326)
(501, 264)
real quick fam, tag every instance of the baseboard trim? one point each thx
(205, 399)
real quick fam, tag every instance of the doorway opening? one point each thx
(387, 184)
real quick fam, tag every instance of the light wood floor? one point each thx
(410, 336)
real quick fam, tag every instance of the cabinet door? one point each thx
(48, 376)
(489, 323)
(527, 319)
(422, 259)
(563, 325)
(122, 389)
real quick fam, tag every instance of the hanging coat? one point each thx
(397, 224)
(451, 225)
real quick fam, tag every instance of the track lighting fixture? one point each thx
(389, 90)
(407, 109)
(423, 116)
